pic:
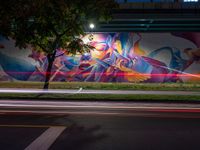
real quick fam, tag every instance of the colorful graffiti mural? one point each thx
(117, 57)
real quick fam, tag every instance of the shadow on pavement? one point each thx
(76, 137)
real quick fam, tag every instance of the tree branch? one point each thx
(64, 32)
(60, 54)
(42, 47)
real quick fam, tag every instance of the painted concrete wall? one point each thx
(117, 57)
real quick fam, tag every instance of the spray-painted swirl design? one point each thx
(117, 57)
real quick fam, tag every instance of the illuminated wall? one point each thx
(117, 57)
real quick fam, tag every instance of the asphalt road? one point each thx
(99, 126)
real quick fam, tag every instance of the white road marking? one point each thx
(46, 139)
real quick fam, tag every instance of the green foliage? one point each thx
(49, 24)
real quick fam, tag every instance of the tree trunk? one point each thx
(51, 59)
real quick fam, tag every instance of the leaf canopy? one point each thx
(49, 24)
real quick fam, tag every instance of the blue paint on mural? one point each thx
(117, 57)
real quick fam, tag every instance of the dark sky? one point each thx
(121, 1)
(145, 1)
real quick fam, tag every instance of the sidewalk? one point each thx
(83, 91)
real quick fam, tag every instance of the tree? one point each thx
(48, 25)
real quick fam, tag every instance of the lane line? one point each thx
(46, 139)
(28, 126)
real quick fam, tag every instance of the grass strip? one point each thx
(106, 86)
(102, 97)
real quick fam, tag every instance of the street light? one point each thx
(91, 26)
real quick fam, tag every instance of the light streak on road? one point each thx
(66, 105)
(95, 108)
(82, 91)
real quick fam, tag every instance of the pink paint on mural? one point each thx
(117, 57)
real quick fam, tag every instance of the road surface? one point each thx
(58, 125)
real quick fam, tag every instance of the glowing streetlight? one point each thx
(91, 26)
